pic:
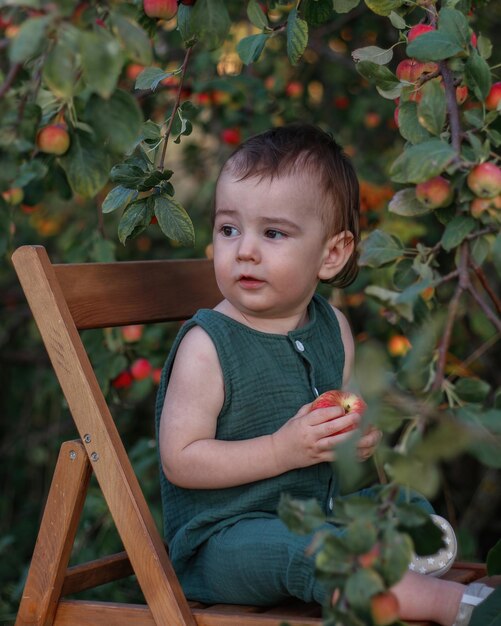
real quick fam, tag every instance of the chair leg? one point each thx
(56, 536)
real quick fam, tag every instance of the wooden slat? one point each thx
(95, 573)
(116, 294)
(84, 613)
(56, 536)
(95, 424)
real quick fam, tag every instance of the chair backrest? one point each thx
(67, 298)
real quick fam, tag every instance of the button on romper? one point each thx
(228, 545)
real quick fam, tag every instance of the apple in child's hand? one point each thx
(349, 401)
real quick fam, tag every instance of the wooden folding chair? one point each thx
(65, 299)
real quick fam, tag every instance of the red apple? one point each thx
(369, 558)
(294, 89)
(372, 119)
(485, 180)
(349, 401)
(494, 97)
(231, 136)
(141, 369)
(123, 380)
(435, 193)
(417, 30)
(481, 205)
(410, 69)
(132, 332)
(53, 139)
(341, 102)
(398, 345)
(461, 93)
(164, 9)
(384, 608)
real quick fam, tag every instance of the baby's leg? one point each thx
(256, 561)
(427, 598)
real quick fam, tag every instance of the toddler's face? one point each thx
(269, 244)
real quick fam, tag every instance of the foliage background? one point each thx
(323, 88)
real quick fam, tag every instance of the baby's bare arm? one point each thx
(193, 458)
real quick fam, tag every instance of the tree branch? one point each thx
(9, 79)
(161, 165)
(485, 284)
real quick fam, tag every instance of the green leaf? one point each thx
(382, 76)
(297, 36)
(256, 14)
(210, 22)
(397, 21)
(390, 299)
(173, 220)
(361, 585)
(456, 230)
(344, 6)
(118, 198)
(374, 54)
(102, 61)
(136, 217)
(133, 38)
(455, 25)
(405, 203)
(426, 537)
(300, 516)
(30, 40)
(60, 70)
(150, 77)
(404, 274)
(478, 75)
(250, 48)
(117, 120)
(86, 165)
(383, 7)
(379, 249)
(431, 110)
(408, 123)
(396, 555)
(316, 12)
(30, 171)
(410, 294)
(472, 389)
(488, 612)
(494, 560)
(360, 536)
(433, 46)
(484, 46)
(422, 161)
(128, 175)
(185, 25)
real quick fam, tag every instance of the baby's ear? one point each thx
(338, 250)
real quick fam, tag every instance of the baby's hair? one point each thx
(299, 148)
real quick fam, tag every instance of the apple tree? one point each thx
(113, 112)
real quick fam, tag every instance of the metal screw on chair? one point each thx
(73, 455)
(87, 438)
(94, 456)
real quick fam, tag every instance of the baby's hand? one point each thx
(309, 437)
(368, 442)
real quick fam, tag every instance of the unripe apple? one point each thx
(141, 369)
(13, 196)
(485, 180)
(494, 97)
(384, 608)
(53, 139)
(435, 193)
(417, 30)
(372, 119)
(164, 9)
(461, 93)
(347, 400)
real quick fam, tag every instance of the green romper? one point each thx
(228, 545)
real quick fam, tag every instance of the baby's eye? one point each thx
(228, 231)
(271, 233)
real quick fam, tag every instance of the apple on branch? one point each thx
(485, 180)
(384, 608)
(435, 193)
(493, 99)
(164, 9)
(53, 139)
(349, 401)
